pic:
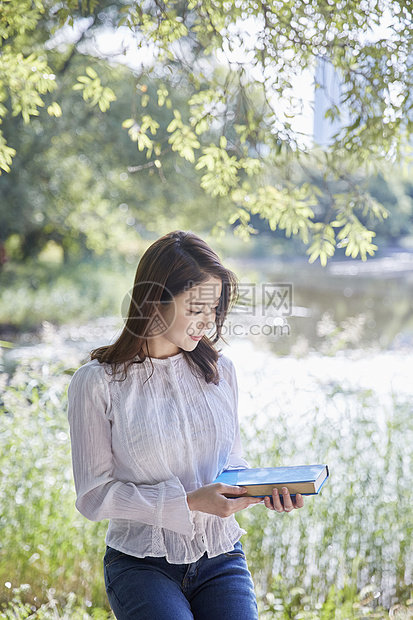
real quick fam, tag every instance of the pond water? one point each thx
(346, 305)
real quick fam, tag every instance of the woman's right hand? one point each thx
(211, 499)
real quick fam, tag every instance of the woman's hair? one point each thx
(171, 265)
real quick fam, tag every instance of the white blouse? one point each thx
(139, 446)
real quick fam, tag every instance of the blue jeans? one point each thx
(218, 588)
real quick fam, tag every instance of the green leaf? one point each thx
(128, 123)
(91, 73)
(54, 109)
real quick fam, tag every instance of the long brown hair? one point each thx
(171, 265)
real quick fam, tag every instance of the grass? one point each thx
(348, 554)
(37, 291)
(67, 608)
(353, 542)
(44, 541)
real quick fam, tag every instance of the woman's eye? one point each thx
(214, 308)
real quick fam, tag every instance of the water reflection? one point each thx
(349, 305)
(345, 305)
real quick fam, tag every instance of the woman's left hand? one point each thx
(287, 504)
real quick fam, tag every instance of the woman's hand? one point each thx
(287, 504)
(211, 499)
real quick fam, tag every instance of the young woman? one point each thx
(153, 420)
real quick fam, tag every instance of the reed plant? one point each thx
(347, 554)
(353, 542)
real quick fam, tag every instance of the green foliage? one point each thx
(67, 607)
(395, 194)
(93, 91)
(27, 79)
(18, 17)
(6, 154)
(80, 182)
(327, 556)
(323, 244)
(24, 79)
(287, 209)
(36, 292)
(182, 139)
(44, 539)
(236, 64)
(222, 170)
(137, 133)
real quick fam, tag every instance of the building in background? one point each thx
(327, 94)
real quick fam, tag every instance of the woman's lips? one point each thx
(196, 338)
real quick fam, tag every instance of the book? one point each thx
(304, 479)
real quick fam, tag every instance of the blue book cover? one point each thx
(304, 479)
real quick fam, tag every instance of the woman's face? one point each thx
(187, 318)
